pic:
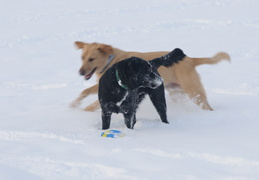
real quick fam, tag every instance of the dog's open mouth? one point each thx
(88, 76)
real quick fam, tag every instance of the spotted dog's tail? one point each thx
(169, 59)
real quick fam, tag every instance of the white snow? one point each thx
(42, 138)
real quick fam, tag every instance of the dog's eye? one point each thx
(90, 59)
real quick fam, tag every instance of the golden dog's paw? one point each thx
(90, 108)
(93, 107)
(74, 104)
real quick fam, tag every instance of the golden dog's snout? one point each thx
(82, 72)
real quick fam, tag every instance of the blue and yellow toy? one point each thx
(112, 134)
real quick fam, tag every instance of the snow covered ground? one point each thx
(42, 138)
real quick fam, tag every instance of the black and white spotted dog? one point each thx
(124, 85)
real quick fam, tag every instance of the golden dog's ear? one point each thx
(103, 48)
(79, 44)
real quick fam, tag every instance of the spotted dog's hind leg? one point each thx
(157, 97)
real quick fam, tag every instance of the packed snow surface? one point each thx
(41, 137)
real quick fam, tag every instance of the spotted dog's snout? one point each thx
(155, 80)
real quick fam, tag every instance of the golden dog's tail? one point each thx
(213, 60)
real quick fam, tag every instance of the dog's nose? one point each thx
(82, 72)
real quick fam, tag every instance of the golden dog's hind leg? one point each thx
(198, 96)
(201, 100)
(92, 107)
(192, 85)
(84, 94)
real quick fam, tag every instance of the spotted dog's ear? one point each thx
(134, 71)
(80, 45)
(126, 73)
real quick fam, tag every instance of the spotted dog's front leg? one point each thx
(107, 110)
(128, 108)
(130, 119)
(106, 120)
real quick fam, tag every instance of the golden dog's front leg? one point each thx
(93, 107)
(84, 94)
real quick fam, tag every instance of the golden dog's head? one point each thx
(94, 58)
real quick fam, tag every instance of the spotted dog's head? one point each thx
(135, 72)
